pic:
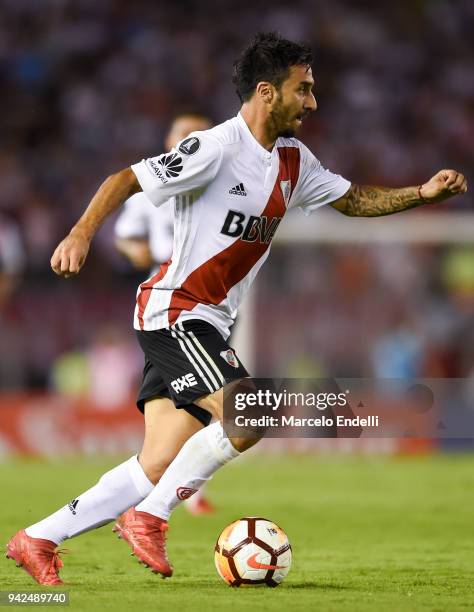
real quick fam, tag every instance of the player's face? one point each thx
(295, 101)
(183, 126)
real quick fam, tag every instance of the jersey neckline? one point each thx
(250, 138)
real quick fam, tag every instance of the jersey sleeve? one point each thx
(316, 186)
(190, 166)
(132, 221)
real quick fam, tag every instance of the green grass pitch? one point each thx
(367, 534)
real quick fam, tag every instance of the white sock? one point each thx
(202, 455)
(117, 490)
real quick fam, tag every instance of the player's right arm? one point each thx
(372, 201)
(70, 254)
(318, 186)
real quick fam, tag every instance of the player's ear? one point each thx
(265, 91)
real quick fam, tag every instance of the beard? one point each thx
(288, 133)
(279, 120)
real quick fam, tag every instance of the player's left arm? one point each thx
(70, 254)
(371, 201)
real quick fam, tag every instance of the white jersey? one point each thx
(230, 196)
(140, 219)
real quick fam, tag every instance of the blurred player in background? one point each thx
(232, 186)
(12, 264)
(12, 257)
(143, 232)
(144, 235)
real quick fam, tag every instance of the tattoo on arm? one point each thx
(370, 201)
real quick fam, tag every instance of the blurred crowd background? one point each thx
(89, 88)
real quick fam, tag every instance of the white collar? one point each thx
(251, 140)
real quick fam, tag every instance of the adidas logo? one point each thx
(238, 190)
(72, 505)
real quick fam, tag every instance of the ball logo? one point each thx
(172, 164)
(185, 492)
(254, 564)
(190, 146)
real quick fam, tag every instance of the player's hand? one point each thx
(70, 254)
(443, 185)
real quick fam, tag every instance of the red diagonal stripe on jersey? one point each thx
(146, 289)
(211, 281)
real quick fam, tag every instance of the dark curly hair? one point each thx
(268, 57)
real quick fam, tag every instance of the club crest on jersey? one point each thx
(285, 187)
(256, 228)
(190, 146)
(230, 357)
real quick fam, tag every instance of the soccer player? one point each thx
(144, 235)
(232, 186)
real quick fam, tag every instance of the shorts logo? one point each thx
(190, 146)
(230, 357)
(185, 492)
(184, 382)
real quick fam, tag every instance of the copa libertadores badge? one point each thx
(190, 146)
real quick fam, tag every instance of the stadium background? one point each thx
(89, 87)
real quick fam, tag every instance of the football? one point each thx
(253, 552)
